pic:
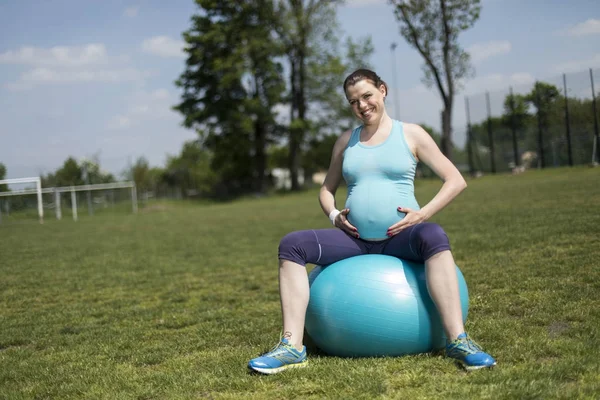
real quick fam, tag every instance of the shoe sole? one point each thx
(271, 371)
(476, 367)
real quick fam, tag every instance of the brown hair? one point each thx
(362, 74)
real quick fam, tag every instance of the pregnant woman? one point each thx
(378, 161)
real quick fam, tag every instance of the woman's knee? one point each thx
(297, 247)
(432, 239)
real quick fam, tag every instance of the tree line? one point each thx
(262, 87)
(263, 80)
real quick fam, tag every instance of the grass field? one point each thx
(171, 303)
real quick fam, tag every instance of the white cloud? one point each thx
(131, 12)
(163, 46)
(481, 51)
(144, 106)
(140, 109)
(589, 27)
(495, 82)
(577, 65)
(45, 76)
(119, 122)
(69, 64)
(521, 78)
(160, 94)
(58, 56)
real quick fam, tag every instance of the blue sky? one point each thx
(91, 78)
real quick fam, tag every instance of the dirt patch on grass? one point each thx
(155, 208)
(557, 328)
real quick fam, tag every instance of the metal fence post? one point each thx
(469, 138)
(595, 111)
(513, 126)
(567, 122)
(490, 134)
(540, 129)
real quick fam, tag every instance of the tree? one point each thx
(516, 118)
(303, 26)
(231, 84)
(139, 172)
(326, 71)
(69, 174)
(432, 27)
(330, 113)
(191, 171)
(72, 173)
(542, 97)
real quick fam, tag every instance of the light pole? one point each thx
(397, 99)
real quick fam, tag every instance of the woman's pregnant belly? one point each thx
(374, 207)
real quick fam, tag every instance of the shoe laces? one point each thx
(466, 344)
(283, 342)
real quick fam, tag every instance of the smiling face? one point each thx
(367, 101)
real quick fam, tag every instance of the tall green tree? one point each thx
(516, 118)
(327, 71)
(304, 26)
(543, 96)
(432, 27)
(330, 113)
(231, 83)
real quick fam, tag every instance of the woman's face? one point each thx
(366, 101)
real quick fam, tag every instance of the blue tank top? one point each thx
(380, 179)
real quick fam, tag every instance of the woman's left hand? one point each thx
(411, 218)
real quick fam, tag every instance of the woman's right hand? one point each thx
(341, 221)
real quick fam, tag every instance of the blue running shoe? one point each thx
(281, 357)
(469, 353)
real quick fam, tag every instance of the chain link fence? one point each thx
(549, 123)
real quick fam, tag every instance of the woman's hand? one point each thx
(411, 218)
(341, 221)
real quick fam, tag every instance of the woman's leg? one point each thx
(293, 294)
(323, 247)
(428, 243)
(442, 284)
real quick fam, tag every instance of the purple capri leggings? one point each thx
(326, 246)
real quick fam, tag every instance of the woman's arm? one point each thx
(427, 151)
(331, 184)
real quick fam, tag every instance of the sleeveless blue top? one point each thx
(380, 179)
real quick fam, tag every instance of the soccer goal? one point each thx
(104, 195)
(38, 191)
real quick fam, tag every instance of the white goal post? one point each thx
(58, 190)
(38, 190)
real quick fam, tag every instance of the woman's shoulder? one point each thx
(415, 135)
(345, 137)
(412, 130)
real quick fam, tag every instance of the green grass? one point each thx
(172, 303)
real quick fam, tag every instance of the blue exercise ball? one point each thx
(375, 305)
